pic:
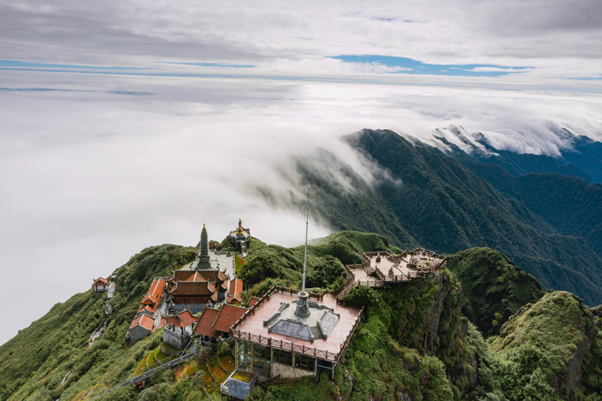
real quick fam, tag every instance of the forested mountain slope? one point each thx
(413, 341)
(434, 200)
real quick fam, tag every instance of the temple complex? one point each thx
(172, 301)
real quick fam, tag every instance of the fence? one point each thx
(285, 345)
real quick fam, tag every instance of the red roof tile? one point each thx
(193, 275)
(143, 321)
(235, 292)
(181, 319)
(187, 318)
(154, 292)
(192, 288)
(252, 301)
(204, 326)
(149, 308)
(171, 320)
(96, 282)
(228, 315)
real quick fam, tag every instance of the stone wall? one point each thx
(175, 336)
(289, 372)
(138, 332)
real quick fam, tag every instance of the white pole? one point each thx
(306, 231)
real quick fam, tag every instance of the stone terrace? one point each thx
(378, 268)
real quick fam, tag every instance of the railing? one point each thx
(291, 291)
(365, 260)
(251, 311)
(285, 345)
(372, 283)
(347, 302)
(349, 269)
(397, 277)
(347, 289)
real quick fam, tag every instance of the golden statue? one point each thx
(240, 230)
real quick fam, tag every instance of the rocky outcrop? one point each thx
(561, 328)
(437, 328)
(566, 381)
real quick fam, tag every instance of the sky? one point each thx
(126, 124)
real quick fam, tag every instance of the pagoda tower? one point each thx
(204, 252)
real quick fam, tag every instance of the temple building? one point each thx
(214, 324)
(193, 290)
(178, 327)
(144, 322)
(235, 291)
(200, 285)
(100, 284)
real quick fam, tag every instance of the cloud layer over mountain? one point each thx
(101, 168)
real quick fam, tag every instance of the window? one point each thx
(304, 362)
(261, 369)
(259, 351)
(283, 357)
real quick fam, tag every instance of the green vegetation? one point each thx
(494, 287)
(36, 361)
(402, 346)
(413, 339)
(326, 259)
(238, 264)
(302, 389)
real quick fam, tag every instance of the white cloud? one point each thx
(498, 69)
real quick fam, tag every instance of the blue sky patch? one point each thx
(416, 67)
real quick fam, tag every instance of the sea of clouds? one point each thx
(93, 169)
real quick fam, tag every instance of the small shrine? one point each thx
(240, 238)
